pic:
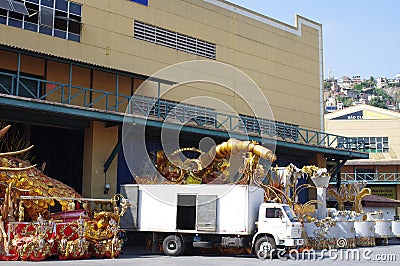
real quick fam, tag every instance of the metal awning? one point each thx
(293, 149)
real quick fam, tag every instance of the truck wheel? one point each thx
(173, 245)
(265, 248)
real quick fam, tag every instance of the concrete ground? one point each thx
(384, 255)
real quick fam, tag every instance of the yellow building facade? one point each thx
(73, 66)
(277, 56)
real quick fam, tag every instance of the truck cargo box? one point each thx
(211, 209)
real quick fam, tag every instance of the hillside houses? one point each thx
(352, 90)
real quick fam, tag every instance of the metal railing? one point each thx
(39, 89)
(369, 177)
(52, 91)
(202, 116)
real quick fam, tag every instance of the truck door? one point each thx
(130, 219)
(206, 213)
(273, 222)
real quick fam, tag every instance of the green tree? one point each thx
(364, 84)
(382, 93)
(346, 101)
(378, 102)
(371, 82)
(358, 87)
(327, 85)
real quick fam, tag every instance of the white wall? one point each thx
(388, 212)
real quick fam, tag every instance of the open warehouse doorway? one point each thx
(57, 150)
(60, 152)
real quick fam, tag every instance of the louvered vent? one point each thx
(171, 39)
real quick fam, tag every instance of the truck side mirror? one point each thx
(282, 217)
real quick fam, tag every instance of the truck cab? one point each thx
(277, 227)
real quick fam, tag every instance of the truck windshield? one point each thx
(290, 214)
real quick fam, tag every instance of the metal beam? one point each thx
(57, 108)
(224, 134)
(110, 158)
(42, 118)
(116, 92)
(18, 73)
(336, 171)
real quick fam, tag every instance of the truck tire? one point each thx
(173, 245)
(265, 248)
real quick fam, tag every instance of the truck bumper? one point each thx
(294, 242)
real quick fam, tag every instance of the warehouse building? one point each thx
(378, 129)
(68, 70)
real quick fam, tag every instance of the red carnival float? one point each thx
(29, 231)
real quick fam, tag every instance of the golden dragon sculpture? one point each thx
(23, 179)
(208, 166)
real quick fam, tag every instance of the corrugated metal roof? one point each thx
(82, 63)
(63, 58)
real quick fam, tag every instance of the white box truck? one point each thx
(203, 216)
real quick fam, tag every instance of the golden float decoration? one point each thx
(28, 231)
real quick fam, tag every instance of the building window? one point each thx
(372, 144)
(58, 18)
(16, 6)
(143, 2)
(171, 39)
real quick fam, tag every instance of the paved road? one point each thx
(384, 255)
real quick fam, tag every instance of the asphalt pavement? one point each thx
(384, 255)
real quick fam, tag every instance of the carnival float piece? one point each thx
(212, 166)
(334, 229)
(349, 228)
(30, 231)
(338, 228)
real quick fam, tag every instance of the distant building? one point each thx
(381, 83)
(356, 80)
(379, 130)
(347, 82)
(374, 203)
(330, 105)
(353, 94)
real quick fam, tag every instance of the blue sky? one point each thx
(361, 37)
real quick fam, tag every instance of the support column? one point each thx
(320, 161)
(398, 192)
(99, 143)
(398, 198)
(321, 182)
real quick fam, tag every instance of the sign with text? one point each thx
(143, 2)
(363, 115)
(384, 191)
